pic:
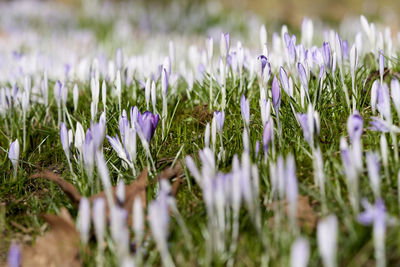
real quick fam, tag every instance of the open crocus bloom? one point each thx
(148, 123)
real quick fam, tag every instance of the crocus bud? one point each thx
(153, 96)
(138, 219)
(14, 256)
(104, 94)
(207, 136)
(58, 92)
(64, 139)
(267, 135)
(302, 75)
(224, 44)
(327, 240)
(276, 94)
(299, 253)
(84, 219)
(120, 192)
(263, 35)
(284, 80)
(13, 153)
(220, 119)
(307, 31)
(355, 127)
(245, 110)
(381, 65)
(374, 95)
(75, 96)
(353, 60)
(383, 101)
(99, 218)
(164, 81)
(326, 54)
(265, 110)
(79, 137)
(373, 173)
(384, 150)
(395, 90)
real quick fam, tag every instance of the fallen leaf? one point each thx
(305, 214)
(57, 247)
(135, 189)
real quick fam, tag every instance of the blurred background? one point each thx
(290, 12)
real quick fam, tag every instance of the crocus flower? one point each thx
(376, 215)
(84, 219)
(377, 124)
(383, 101)
(284, 80)
(164, 81)
(267, 135)
(327, 239)
(300, 253)
(220, 119)
(148, 123)
(99, 219)
(13, 153)
(381, 65)
(276, 94)
(355, 127)
(245, 110)
(265, 68)
(224, 44)
(326, 54)
(64, 139)
(302, 75)
(14, 256)
(395, 91)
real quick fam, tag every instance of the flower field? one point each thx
(136, 134)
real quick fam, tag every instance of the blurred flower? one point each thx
(13, 153)
(299, 253)
(245, 110)
(276, 94)
(327, 239)
(14, 256)
(84, 219)
(220, 119)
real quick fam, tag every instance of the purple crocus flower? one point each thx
(13, 153)
(14, 256)
(148, 123)
(377, 124)
(284, 80)
(302, 75)
(220, 119)
(383, 101)
(326, 54)
(355, 126)
(267, 135)
(164, 81)
(345, 49)
(276, 93)
(224, 44)
(303, 120)
(64, 139)
(381, 64)
(245, 109)
(373, 214)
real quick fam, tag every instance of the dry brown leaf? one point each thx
(135, 189)
(305, 214)
(57, 247)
